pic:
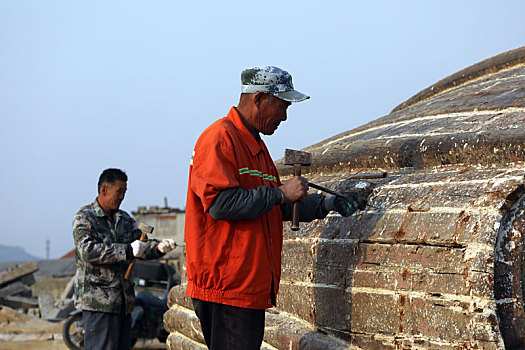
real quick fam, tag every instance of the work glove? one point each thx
(138, 248)
(355, 200)
(166, 245)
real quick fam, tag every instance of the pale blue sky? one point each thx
(86, 85)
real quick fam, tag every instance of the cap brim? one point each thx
(291, 96)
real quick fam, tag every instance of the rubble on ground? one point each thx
(42, 289)
(35, 299)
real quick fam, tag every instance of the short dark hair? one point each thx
(110, 176)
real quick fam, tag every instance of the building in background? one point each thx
(167, 223)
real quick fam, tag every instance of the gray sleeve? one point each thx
(314, 206)
(240, 204)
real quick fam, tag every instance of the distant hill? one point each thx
(15, 254)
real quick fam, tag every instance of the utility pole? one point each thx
(47, 248)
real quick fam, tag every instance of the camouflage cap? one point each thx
(271, 80)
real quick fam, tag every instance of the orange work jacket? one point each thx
(231, 262)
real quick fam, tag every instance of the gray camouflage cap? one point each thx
(271, 80)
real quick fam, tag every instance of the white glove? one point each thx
(166, 245)
(138, 248)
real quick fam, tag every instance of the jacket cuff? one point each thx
(278, 194)
(328, 203)
(129, 252)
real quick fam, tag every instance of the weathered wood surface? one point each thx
(426, 252)
(509, 276)
(478, 122)
(481, 69)
(437, 262)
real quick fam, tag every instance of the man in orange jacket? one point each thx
(234, 212)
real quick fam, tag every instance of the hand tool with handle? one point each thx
(145, 230)
(327, 190)
(335, 193)
(377, 175)
(297, 159)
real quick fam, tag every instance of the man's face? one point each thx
(272, 112)
(112, 195)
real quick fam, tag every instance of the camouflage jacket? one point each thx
(103, 253)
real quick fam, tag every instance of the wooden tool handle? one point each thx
(295, 205)
(132, 263)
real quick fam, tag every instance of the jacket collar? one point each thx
(100, 212)
(251, 141)
(98, 209)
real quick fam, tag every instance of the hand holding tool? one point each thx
(145, 230)
(352, 201)
(297, 159)
(166, 245)
(344, 207)
(337, 194)
(138, 248)
(363, 176)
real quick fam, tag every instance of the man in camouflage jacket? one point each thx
(106, 240)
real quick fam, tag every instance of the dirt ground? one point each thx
(20, 331)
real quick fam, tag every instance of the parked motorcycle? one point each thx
(153, 280)
(73, 331)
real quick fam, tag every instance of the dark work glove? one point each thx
(354, 200)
